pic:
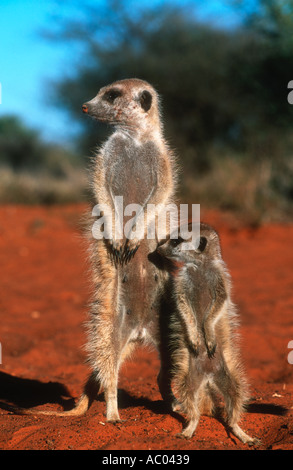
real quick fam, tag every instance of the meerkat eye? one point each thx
(145, 100)
(202, 244)
(175, 242)
(111, 95)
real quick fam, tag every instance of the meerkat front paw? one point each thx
(211, 349)
(116, 249)
(210, 342)
(195, 345)
(130, 248)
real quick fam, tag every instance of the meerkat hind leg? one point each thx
(164, 381)
(229, 384)
(193, 420)
(111, 398)
(188, 432)
(191, 400)
(111, 391)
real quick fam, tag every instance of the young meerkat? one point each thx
(202, 341)
(135, 163)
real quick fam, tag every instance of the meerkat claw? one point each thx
(211, 349)
(125, 255)
(135, 249)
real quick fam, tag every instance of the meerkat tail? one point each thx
(81, 408)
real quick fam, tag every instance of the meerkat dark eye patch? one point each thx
(111, 95)
(145, 100)
(175, 241)
(202, 244)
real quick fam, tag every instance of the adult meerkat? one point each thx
(137, 164)
(202, 339)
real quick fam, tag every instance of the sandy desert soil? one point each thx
(44, 290)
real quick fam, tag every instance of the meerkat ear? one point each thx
(145, 99)
(202, 244)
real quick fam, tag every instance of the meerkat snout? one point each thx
(89, 108)
(170, 248)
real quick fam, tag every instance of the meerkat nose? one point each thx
(85, 108)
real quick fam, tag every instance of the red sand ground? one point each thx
(44, 291)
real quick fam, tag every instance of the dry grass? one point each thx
(42, 188)
(242, 186)
(257, 190)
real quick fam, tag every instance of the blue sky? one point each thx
(28, 62)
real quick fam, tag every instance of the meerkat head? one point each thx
(182, 251)
(131, 104)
